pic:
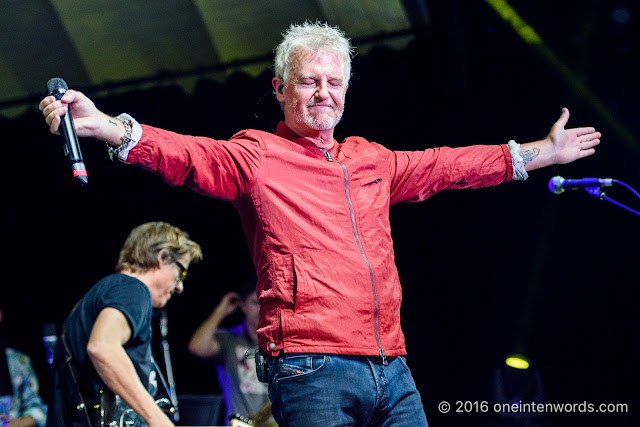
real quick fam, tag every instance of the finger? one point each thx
(589, 137)
(55, 109)
(589, 144)
(50, 108)
(583, 131)
(45, 102)
(54, 123)
(49, 104)
(71, 96)
(586, 153)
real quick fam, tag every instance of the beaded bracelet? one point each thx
(126, 140)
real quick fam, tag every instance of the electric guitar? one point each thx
(238, 420)
(262, 418)
(112, 411)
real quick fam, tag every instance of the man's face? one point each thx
(251, 309)
(314, 93)
(168, 282)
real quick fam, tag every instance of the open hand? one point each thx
(571, 144)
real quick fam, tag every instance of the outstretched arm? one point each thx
(561, 145)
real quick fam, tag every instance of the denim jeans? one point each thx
(323, 390)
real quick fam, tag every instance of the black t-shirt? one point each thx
(131, 297)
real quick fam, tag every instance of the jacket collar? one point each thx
(285, 132)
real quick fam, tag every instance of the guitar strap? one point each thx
(165, 385)
(68, 366)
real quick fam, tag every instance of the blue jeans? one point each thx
(326, 390)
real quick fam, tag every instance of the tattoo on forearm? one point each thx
(113, 123)
(529, 155)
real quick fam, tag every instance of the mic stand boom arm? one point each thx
(597, 192)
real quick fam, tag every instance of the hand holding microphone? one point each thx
(87, 121)
(57, 87)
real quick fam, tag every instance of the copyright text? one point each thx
(483, 406)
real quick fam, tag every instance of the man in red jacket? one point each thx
(316, 216)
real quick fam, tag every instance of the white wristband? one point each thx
(519, 173)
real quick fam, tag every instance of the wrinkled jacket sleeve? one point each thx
(220, 169)
(418, 175)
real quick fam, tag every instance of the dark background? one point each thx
(485, 273)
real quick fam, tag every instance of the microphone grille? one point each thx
(49, 328)
(555, 184)
(55, 84)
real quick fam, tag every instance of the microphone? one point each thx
(558, 184)
(50, 339)
(57, 87)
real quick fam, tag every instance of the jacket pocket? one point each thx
(283, 271)
(368, 190)
(374, 181)
(371, 198)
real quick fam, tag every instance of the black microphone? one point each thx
(57, 87)
(558, 184)
(50, 340)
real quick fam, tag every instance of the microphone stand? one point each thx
(597, 192)
(50, 340)
(164, 321)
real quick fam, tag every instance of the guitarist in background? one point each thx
(106, 340)
(243, 393)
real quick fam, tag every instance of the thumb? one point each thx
(71, 96)
(564, 118)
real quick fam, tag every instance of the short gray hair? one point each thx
(316, 37)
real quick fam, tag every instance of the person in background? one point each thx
(20, 389)
(230, 348)
(105, 346)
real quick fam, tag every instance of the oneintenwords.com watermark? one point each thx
(483, 406)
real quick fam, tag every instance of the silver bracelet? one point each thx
(126, 139)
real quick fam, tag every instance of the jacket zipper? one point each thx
(327, 155)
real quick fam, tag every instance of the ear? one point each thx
(278, 86)
(161, 258)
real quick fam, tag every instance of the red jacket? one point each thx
(318, 225)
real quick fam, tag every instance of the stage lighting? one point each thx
(517, 362)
